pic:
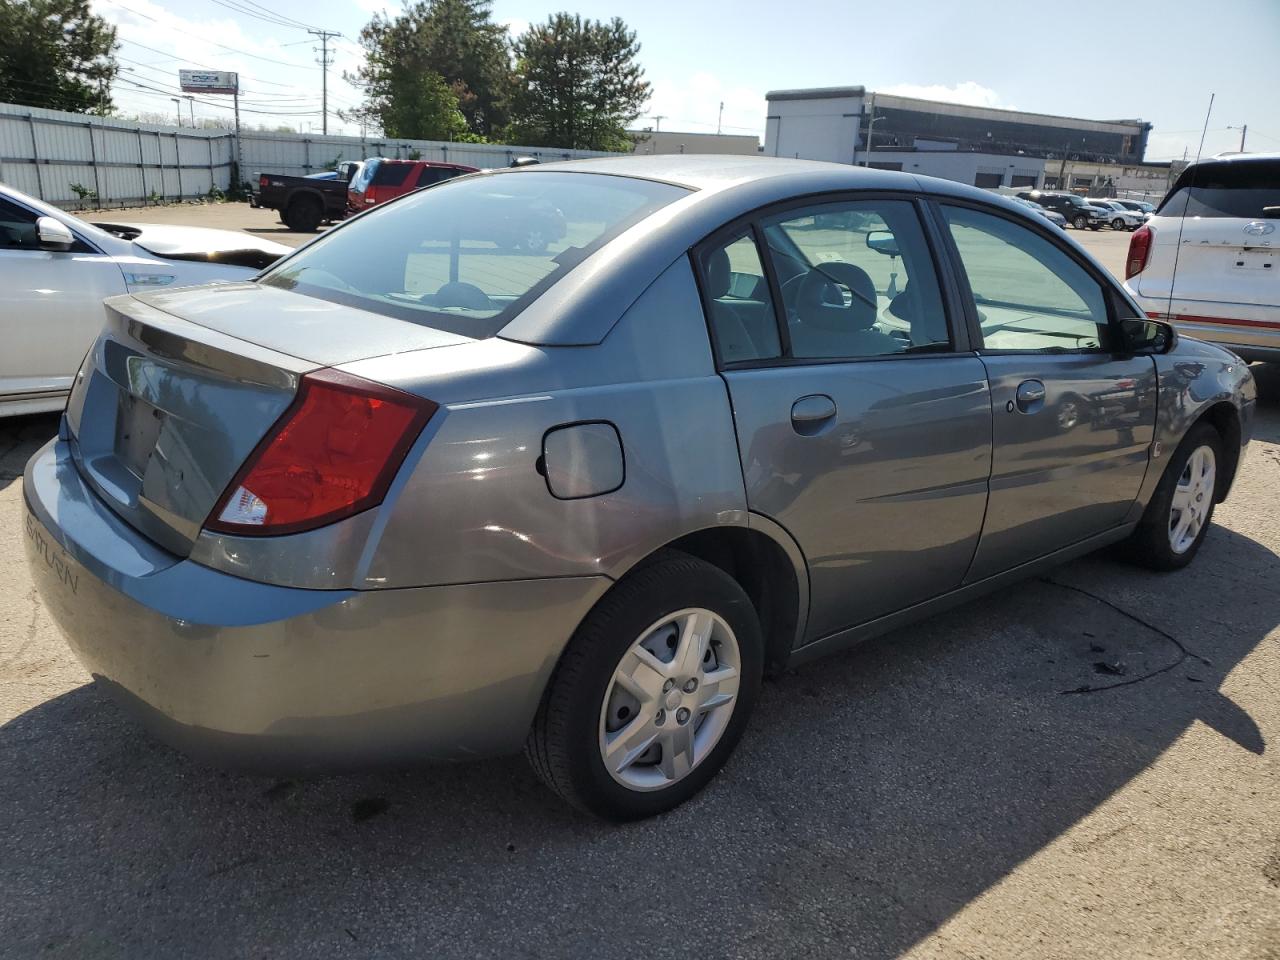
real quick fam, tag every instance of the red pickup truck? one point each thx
(380, 180)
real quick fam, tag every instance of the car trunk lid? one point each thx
(166, 409)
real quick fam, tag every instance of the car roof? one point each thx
(716, 171)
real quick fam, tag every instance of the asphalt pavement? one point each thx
(944, 792)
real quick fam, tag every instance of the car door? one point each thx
(863, 420)
(50, 305)
(1073, 420)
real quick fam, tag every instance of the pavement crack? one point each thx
(1184, 653)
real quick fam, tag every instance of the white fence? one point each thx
(49, 154)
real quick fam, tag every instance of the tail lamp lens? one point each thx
(262, 180)
(332, 454)
(1139, 252)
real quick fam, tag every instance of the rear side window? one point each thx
(1241, 189)
(391, 174)
(857, 280)
(738, 301)
(469, 255)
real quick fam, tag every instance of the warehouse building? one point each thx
(983, 146)
(677, 141)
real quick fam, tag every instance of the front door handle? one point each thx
(809, 414)
(1029, 396)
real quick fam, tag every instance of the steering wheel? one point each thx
(456, 293)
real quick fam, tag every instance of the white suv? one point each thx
(1209, 257)
(1118, 215)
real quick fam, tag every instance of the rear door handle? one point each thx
(808, 414)
(1029, 396)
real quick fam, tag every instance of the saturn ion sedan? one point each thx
(417, 494)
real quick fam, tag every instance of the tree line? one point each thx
(438, 70)
(444, 70)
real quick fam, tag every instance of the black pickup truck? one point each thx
(306, 202)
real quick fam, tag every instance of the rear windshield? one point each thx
(1239, 189)
(468, 255)
(391, 174)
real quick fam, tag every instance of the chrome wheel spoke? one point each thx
(627, 745)
(1181, 497)
(1192, 499)
(677, 752)
(695, 634)
(641, 674)
(718, 688)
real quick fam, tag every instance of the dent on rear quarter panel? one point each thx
(1193, 378)
(475, 506)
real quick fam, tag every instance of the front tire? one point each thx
(652, 693)
(1177, 519)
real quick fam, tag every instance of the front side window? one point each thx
(1029, 293)
(468, 255)
(1243, 189)
(857, 280)
(17, 227)
(739, 305)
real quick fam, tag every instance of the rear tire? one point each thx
(303, 214)
(1177, 519)
(623, 733)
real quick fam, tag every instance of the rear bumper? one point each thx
(278, 678)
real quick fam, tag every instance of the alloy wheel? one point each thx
(670, 699)
(1192, 499)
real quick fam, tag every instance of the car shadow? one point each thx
(875, 795)
(20, 437)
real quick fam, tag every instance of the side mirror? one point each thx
(1140, 335)
(53, 234)
(882, 241)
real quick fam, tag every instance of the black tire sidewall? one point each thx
(608, 632)
(1153, 532)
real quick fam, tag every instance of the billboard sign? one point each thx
(208, 81)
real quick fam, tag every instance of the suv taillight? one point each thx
(1139, 252)
(262, 180)
(332, 454)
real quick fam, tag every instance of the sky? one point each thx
(1158, 60)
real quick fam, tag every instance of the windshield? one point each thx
(466, 256)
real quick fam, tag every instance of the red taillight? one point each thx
(332, 454)
(1139, 252)
(262, 180)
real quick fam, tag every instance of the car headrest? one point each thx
(718, 274)
(815, 309)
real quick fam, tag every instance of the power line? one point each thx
(268, 17)
(221, 46)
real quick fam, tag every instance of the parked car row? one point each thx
(55, 270)
(304, 203)
(419, 492)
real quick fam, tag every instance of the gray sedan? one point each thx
(414, 494)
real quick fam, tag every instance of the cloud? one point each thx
(968, 93)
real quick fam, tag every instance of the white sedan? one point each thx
(55, 270)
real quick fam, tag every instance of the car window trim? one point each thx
(1046, 231)
(952, 304)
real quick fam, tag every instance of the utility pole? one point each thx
(721, 117)
(324, 61)
(657, 118)
(177, 105)
(191, 105)
(1243, 130)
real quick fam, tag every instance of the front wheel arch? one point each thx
(1225, 418)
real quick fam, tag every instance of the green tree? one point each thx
(453, 40)
(56, 54)
(578, 84)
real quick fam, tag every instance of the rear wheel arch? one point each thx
(771, 574)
